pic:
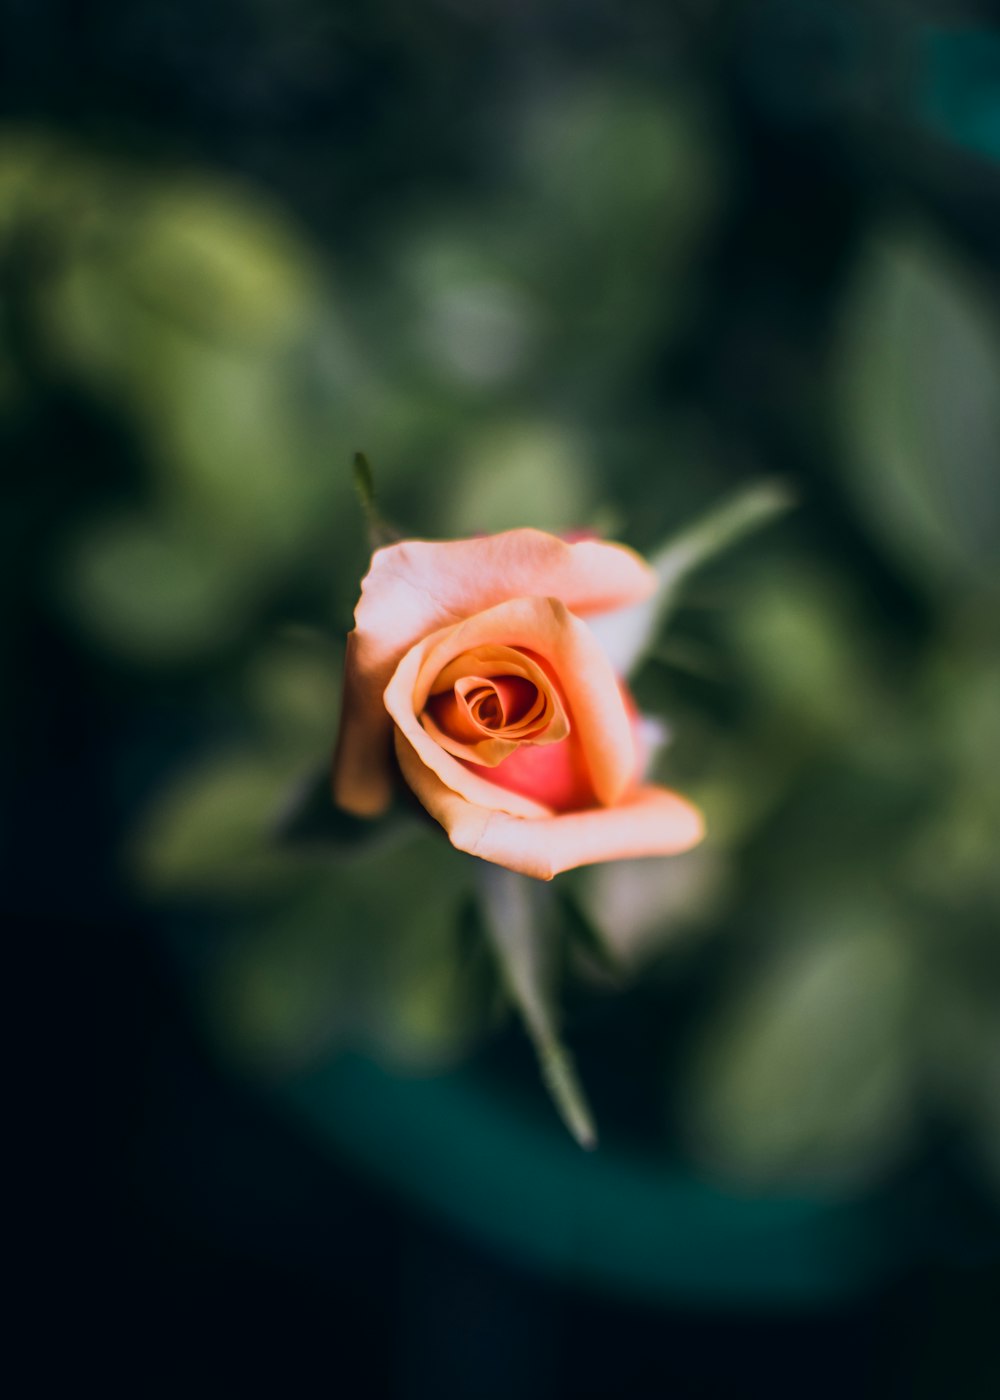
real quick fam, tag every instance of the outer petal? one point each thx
(651, 822)
(419, 586)
(571, 653)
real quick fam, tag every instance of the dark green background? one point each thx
(563, 264)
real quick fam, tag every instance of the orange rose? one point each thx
(474, 660)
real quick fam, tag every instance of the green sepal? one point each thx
(379, 531)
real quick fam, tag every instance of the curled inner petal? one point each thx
(490, 700)
(557, 774)
(417, 589)
(502, 702)
(572, 671)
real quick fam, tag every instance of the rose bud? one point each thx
(472, 671)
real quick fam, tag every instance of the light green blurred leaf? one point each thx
(474, 323)
(950, 856)
(805, 1074)
(211, 833)
(919, 373)
(151, 590)
(805, 652)
(197, 312)
(292, 685)
(220, 259)
(521, 473)
(226, 438)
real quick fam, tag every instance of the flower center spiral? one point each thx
(489, 701)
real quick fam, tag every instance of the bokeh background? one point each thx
(574, 265)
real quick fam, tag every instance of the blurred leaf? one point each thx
(371, 954)
(150, 589)
(518, 919)
(310, 819)
(628, 634)
(522, 473)
(230, 444)
(475, 322)
(949, 855)
(806, 1073)
(431, 989)
(825, 724)
(194, 309)
(292, 686)
(805, 652)
(211, 832)
(919, 366)
(221, 258)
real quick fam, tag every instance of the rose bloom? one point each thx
(473, 672)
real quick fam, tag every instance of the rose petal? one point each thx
(652, 821)
(525, 695)
(544, 627)
(419, 586)
(554, 774)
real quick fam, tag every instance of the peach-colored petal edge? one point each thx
(651, 822)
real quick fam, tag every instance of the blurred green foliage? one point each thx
(593, 332)
(922, 415)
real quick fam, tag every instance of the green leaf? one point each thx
(207, 833)
(152, 590)
(520, 471)
(918, 370)
(806, 1075)
(628, 634)
(368, 952)
(518, 917)
(231, 827)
